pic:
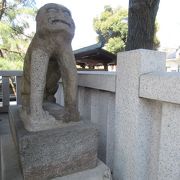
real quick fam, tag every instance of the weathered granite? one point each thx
(160, 86)
(169, 148)
(48, 58)
(11, 168)
(136, 120)
(98, 107)
(56, 152)
(101, 172)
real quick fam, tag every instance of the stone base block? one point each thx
(10, 169)
(56, 152)
(101, 172)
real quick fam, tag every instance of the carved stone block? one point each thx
(56, 152)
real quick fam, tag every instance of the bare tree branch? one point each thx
(1, 54)
(11, 51)
(20, 32)
(3, 7)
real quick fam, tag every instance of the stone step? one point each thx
(10, 169)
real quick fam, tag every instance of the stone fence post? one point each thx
(137, 122)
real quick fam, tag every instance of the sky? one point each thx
(84, 11)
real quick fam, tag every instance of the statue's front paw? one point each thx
(71, 115)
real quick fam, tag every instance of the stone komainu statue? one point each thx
(48, 58)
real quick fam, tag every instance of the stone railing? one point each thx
(147, 118)
(96, 99)
(137, 112)
(165, 89)
(5, 88)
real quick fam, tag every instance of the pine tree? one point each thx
(15, 17)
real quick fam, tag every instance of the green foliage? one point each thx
(115, 44)
(6, 64)
(13, 34)
(111, 26)
(156, 40)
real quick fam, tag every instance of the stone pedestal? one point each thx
(56, 152)
(10, 169)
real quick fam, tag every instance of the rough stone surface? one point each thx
(98, 107)
(137, 122)
(56, 152)
(161, 86)
(97, 80)
(48, 58)
(11, 168)
(101, 172)
(169, 150)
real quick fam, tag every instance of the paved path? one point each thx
(4, 131)
(4, 124)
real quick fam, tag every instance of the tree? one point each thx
(111, 27)
(141, 24)
(4, 5)
(14, 17)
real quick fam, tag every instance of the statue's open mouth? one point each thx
(56, 21)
